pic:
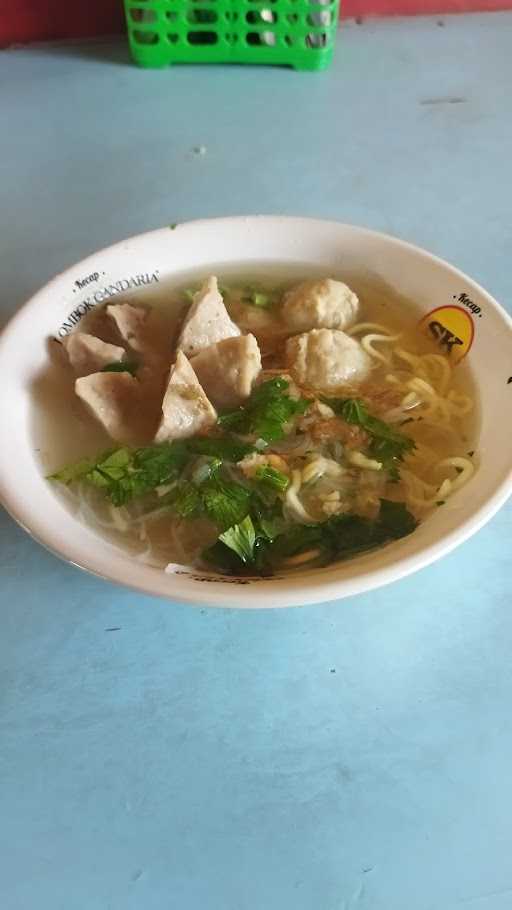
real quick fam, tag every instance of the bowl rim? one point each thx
(184, 588)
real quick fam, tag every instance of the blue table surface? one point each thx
(348, 756)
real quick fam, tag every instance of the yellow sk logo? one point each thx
(451, 328)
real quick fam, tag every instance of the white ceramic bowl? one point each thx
(415, 274)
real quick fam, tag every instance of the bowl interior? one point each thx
(148, 268)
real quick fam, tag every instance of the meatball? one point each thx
(325, 359)
(325, 304)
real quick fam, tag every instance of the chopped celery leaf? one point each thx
(225, 503)
(120, 366)
(241, 538)
(336, 538)
(262, 299)
(272, 478)
(266, 413)
(388, 445)
(73, 472)
(185, 500)
(224, 447)
(126, 473)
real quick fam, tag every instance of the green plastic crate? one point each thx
(297, 33)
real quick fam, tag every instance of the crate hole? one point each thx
(231, 17)
(289, 40)
(265, 39)
(231, 38)
(202, 16)
(173, 37)
(145, 37)
(316, 39)
(202, 37)
(292, 18)
(323, 18)
(171, 15)
(257, 17)
(143, 15)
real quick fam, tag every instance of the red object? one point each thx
(23, 21)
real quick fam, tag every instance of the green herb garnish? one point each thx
(256, 297)
(205, 468)
(225, 503)
(125, 473)
(337, 538)
(388, 445)
(241, 539)
(224, 447)
(74, 472)
(271, 478)
(185, 500)
(266, 413)
(120, 366)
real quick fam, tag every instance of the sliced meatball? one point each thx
(325, 359)
(268, 329)
(227, 370)
(114, 400)
(207, 320)
(325, 304)
(88, 354)
(185, 409)
(141, 329)
(254, 319)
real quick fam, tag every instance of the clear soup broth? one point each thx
(403, 433)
